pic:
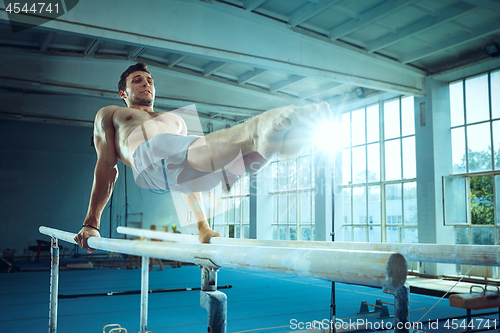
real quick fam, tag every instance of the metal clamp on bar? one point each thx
(212, 300)
(208, 274)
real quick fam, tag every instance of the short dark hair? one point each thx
(122, 84)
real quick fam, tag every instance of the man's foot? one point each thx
(206, 233)
(287, 130)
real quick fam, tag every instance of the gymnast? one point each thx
(164, 158)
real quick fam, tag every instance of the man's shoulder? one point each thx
(108, 109)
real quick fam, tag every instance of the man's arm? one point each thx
(195, 204)
(105, 175)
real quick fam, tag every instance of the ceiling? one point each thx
(234, 59)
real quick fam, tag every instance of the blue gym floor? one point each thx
(257, 302)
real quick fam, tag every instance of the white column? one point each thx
(433, 155)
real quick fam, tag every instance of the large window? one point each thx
(474, 189)
(379, 191)
(293, 198)
(236, 211)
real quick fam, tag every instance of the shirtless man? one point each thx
(136, 134)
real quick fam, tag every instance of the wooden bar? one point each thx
(380, 269)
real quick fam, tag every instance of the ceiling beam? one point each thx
(248, 42)
(444, 16)
(214, 67)
(286, 83)
(425, 9)
(46, 41)
(324, 88)
(136, 51)
(92, 45)
(176, 59)
(370, 16)
(448, 42)
(250, 75)
(250, 5)
(175, 87)
(310, 10)
(493, 5)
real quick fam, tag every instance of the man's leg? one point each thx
(282, 131)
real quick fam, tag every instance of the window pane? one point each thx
(275, 209)
(457, 103)
(373, 162)
(394, 204)
(458, 150)
(482, 206)
(345, 129)
(392, 234)
(246, 210)
(305, 233)
(293, 233)
(497, 199)
(455, 202)
(461, 235)
(374, 205)
(410, 203)
(372, 124)
(282, 178)
(347, 233)
(375, 234)
(346, 166)
(496, 143)
(274, 174)
(305, 172)
(483, 236)
(476, 99)
(237, 232)
(346, 202)
(305, 207)
(407, 116)
(282, 209)
(392, 160)
(410, 235)
(391, 119)
(246, 232)
(359, 164)
(359, 234)
(495, 96)
(409, 159)
(237, 210)
(479, 143)
(292, 174)
(359, 205)
(358, 127)
(230, 212)
(282, 233)
(292, 208)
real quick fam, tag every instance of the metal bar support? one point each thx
(401, 308)
(54, 285)
(212, 300)
(144, 294)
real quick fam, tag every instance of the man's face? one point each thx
(140, 89)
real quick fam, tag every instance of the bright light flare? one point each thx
(326, 136)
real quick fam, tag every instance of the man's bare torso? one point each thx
(134, 126)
